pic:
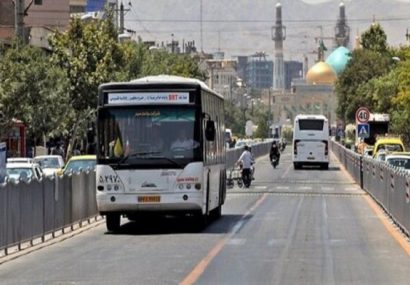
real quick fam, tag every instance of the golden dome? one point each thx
(321, 73)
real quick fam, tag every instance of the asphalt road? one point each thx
(307, 226)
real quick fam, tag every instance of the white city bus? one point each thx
(139, 169)
(311, 141)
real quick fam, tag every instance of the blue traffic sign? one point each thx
(363, 130)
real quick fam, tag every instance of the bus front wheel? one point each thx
(113, 222)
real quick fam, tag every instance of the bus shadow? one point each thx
(177, 225)
(331, 168)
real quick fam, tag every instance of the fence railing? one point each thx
(33, 210)
(388, 185)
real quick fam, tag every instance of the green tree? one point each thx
(357, 84)
(262, 123)
(234, 119)
(378, 92)
(32, 90)
(90, 55)
(374, 39)
(400, 110)
(157, 62)
(364, 65)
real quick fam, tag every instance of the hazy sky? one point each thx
(346, 1)
(243, 27)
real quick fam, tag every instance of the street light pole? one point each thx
(269, 114)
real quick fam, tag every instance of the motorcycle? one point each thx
(282, 147)
(247, 179)
(274, 161)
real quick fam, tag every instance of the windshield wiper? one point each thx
(135, 154)
(144, 155)
(172, 161)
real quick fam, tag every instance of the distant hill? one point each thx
(243, 27)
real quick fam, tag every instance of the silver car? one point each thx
(50, 164)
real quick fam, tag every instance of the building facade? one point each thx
(293, 70)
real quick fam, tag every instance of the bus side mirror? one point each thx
(210, 130)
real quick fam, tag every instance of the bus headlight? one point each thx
(198, 186)
(181, 186)
(188, 186)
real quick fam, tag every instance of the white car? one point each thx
(23, 170)
(19, 160)
(381, 155)
(399, 160)
(50, 164)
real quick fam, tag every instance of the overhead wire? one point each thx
(140, 22)
(385, 19)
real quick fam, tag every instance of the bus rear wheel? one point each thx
(216, 213)
(113, 222)
(324, 166)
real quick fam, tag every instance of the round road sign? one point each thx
(362, 115)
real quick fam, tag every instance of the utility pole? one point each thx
(122, 11)
(270, 113)
(20, 11)
(19, 19)
(201, 31)
(121, 18)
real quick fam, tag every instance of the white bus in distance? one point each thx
(311, 141)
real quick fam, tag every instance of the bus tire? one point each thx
(216, 213)
(324, 166)
(113, 222)
(201, 221)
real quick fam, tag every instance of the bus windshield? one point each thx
(148, 136)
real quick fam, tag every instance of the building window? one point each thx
(77, 9)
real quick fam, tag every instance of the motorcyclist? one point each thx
(246, 159)
(274, 152)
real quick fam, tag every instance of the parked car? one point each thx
(368, 151)
(399, 159)
(19, 159)
(50, 164)
(23, 170)
(77, 163)
(388, 144)
(381, 155)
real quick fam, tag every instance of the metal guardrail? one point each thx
(32, 210)
(258, 150)
(29, 211)
(389, 186)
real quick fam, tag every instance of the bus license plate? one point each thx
(311, 158)
(149, 199)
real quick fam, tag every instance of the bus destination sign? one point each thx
(142, 98)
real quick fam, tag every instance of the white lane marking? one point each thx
(351, 188)
(236, 241)
(282, 187)
(261, 187)
(328, 188)
(286, 172)
(305, 188)
(273, 242)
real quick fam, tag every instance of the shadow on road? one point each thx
(331, 168)
(177, 225)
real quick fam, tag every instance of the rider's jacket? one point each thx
(247, 159)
